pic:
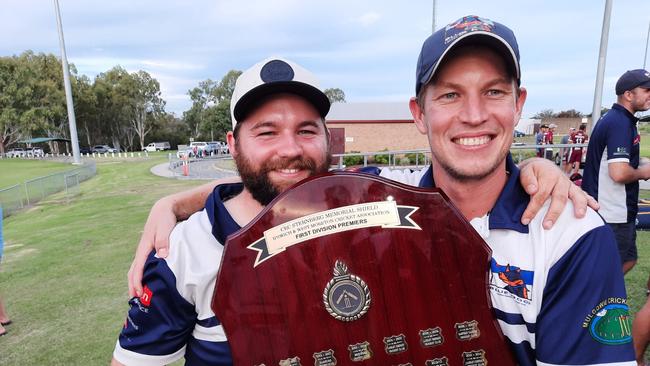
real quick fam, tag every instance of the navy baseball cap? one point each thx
(632, 79)
(469, 28)
(271, 76)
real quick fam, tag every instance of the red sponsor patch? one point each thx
(637, 140)
(145, 299)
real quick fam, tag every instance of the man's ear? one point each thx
(232, 146)
(519, 104)
(418, 115)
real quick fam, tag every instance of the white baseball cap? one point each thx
(275, 75)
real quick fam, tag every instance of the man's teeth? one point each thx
(289, 171)
(473, 141)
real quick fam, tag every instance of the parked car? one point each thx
(103, 149)
(17, 152)
(85, 150)
(217, 147)
(517, 133)
(35, 152)
(198, 148)
(157, 146)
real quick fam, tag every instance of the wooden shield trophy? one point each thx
(354, 269)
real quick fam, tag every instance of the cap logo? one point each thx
(464, 25)
(276, 70)
(647, 74)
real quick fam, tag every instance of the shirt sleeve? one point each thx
(159, 323)
(584, 317)
(619, 144)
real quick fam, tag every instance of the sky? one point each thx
(366, 48)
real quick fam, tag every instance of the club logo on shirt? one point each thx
(621, 151)
(145, 299)
(143, 302)
(609, 322)
(511, 281)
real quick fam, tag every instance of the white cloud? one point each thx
(368, 19)
(368, 48)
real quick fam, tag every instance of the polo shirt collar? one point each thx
(507, 211)
(222, 223)
(627, 113)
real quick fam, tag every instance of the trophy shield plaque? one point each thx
(354, 269)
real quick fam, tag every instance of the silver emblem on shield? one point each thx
(346, 296)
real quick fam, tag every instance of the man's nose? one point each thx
(473, 110)
(289, 146)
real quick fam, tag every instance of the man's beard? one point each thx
(260, 185)
(473, 176)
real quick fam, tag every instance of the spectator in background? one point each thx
(612, 171)
(551, 132)
(540, 139)
(4, 318)
(575, 155)
(565, 151)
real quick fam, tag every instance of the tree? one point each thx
(146, 104)
(335, 95)
(209, 115)
(570, 113)
(10, 90)
(546, 113)
(112, 118)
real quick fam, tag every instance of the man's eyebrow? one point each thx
(263, 124)
(309, 123)
(452, 85)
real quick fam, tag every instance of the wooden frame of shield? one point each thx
(347, 268)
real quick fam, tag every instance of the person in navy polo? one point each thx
(612, 171)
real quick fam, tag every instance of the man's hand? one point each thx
(161, 221)
(159, 225)
(542, 179)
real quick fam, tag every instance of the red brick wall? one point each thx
(377, 136)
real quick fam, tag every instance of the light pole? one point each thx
(602, 57)
(433, 18)
(74, 140)
(645, 55)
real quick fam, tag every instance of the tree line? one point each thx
(122, 109)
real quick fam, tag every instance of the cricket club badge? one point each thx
(346, 296)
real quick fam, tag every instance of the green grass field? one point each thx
(16, 171)
(63, 278)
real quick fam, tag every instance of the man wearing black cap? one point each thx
(612, 171)
(558, 297)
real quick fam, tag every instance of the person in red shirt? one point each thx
(575, 157)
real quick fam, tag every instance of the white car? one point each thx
(102, 149)
(157, 146)
(35, 152)
(17, 152)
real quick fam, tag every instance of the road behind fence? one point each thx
(19, 196)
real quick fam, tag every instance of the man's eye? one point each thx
(265, 133)
(495, 92)
(307, 132)
(449, 95)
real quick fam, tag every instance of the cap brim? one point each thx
(487, 38)
(645, 85)
(251, 99)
